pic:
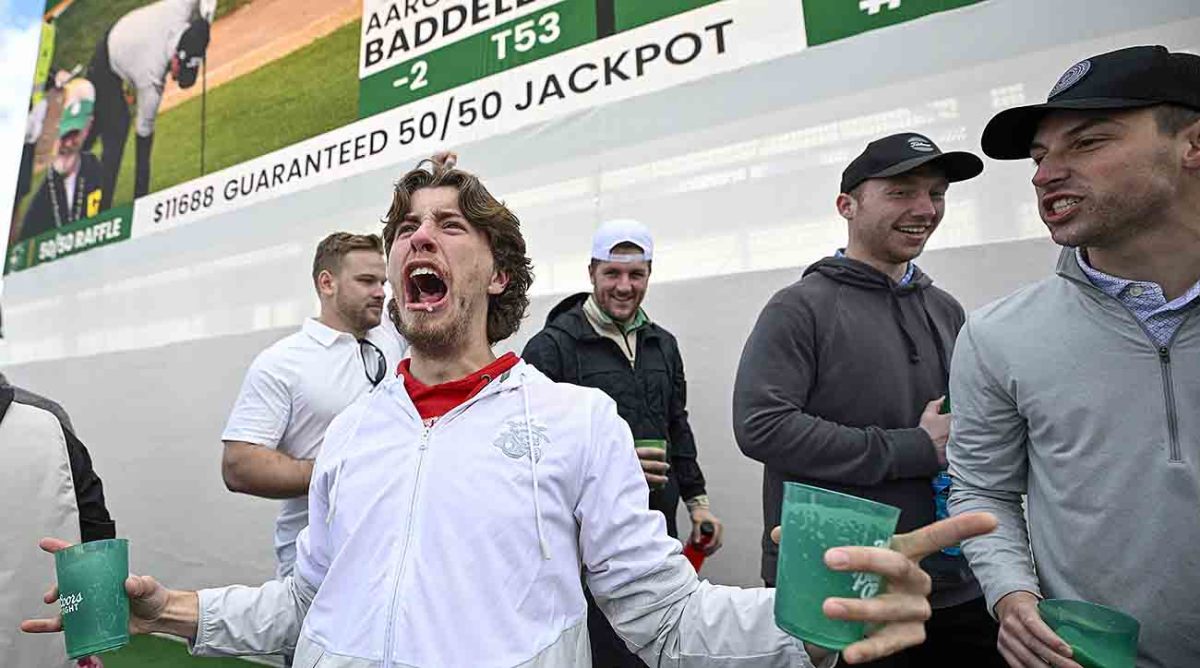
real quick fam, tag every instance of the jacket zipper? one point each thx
(426, 432)
(1164, 358)
(1164, 362)
(387, 637)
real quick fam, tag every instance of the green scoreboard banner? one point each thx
(411, 50)
(383, 82)
(829, 21)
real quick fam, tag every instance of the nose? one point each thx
(422, 239)
(1050, 170)
(924, 207)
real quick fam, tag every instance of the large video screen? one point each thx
(149, 115)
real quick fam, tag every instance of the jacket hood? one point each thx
(863, 275)
(565, 305)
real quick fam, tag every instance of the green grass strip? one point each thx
(153, 652)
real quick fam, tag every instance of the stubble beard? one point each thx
(1112, 219)
(433, 335)
(360, 319)
(1120, 214)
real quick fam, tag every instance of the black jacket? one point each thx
(830, 390)
(94, 520)
(651, 396)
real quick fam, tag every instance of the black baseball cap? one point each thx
(900, 153)
(1137, 76)
(192, 46)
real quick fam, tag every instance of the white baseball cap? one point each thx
(616, 232)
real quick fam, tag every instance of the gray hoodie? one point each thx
(1060, 394)
(830, 390)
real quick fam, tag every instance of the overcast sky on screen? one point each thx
(19, 33)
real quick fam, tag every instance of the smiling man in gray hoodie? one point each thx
(841, 381)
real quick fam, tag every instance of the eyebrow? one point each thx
(438, 214)
(1081, 127)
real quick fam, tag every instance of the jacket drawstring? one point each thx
(533, 463)
(333, 494)
(913, 355)
(937, 339)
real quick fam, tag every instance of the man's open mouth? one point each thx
(1059, 207)
(425, 288)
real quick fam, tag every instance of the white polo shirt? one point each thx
(291, 393)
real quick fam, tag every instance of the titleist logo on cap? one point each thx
(920, 144)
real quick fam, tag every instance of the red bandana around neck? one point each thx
(434, 401)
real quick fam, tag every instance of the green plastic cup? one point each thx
(91, 594)
(815, 520)
(1099, 637)
(657, 443)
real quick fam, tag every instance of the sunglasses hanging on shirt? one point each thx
(374, 364)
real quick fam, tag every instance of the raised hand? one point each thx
(152, 607)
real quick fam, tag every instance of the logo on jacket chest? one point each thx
(516, 438)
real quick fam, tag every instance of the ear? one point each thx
(1191, 151)
(847, 206)
(326, 283)
(499, 283)
(592, 273)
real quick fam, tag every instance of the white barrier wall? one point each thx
(145, 342)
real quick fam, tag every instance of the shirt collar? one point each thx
(593, 309)
(322, 333)
(904, 280)
(1110, 285)
(1115, 286)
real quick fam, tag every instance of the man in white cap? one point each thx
(605, 340)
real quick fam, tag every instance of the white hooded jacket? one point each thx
(462, 544)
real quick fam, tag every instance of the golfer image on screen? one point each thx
(168, 37)
(72, 188)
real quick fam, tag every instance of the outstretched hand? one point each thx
(147, 600)
(897, 616)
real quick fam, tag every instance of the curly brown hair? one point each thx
(487, 214)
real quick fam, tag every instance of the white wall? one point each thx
(145, 342)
